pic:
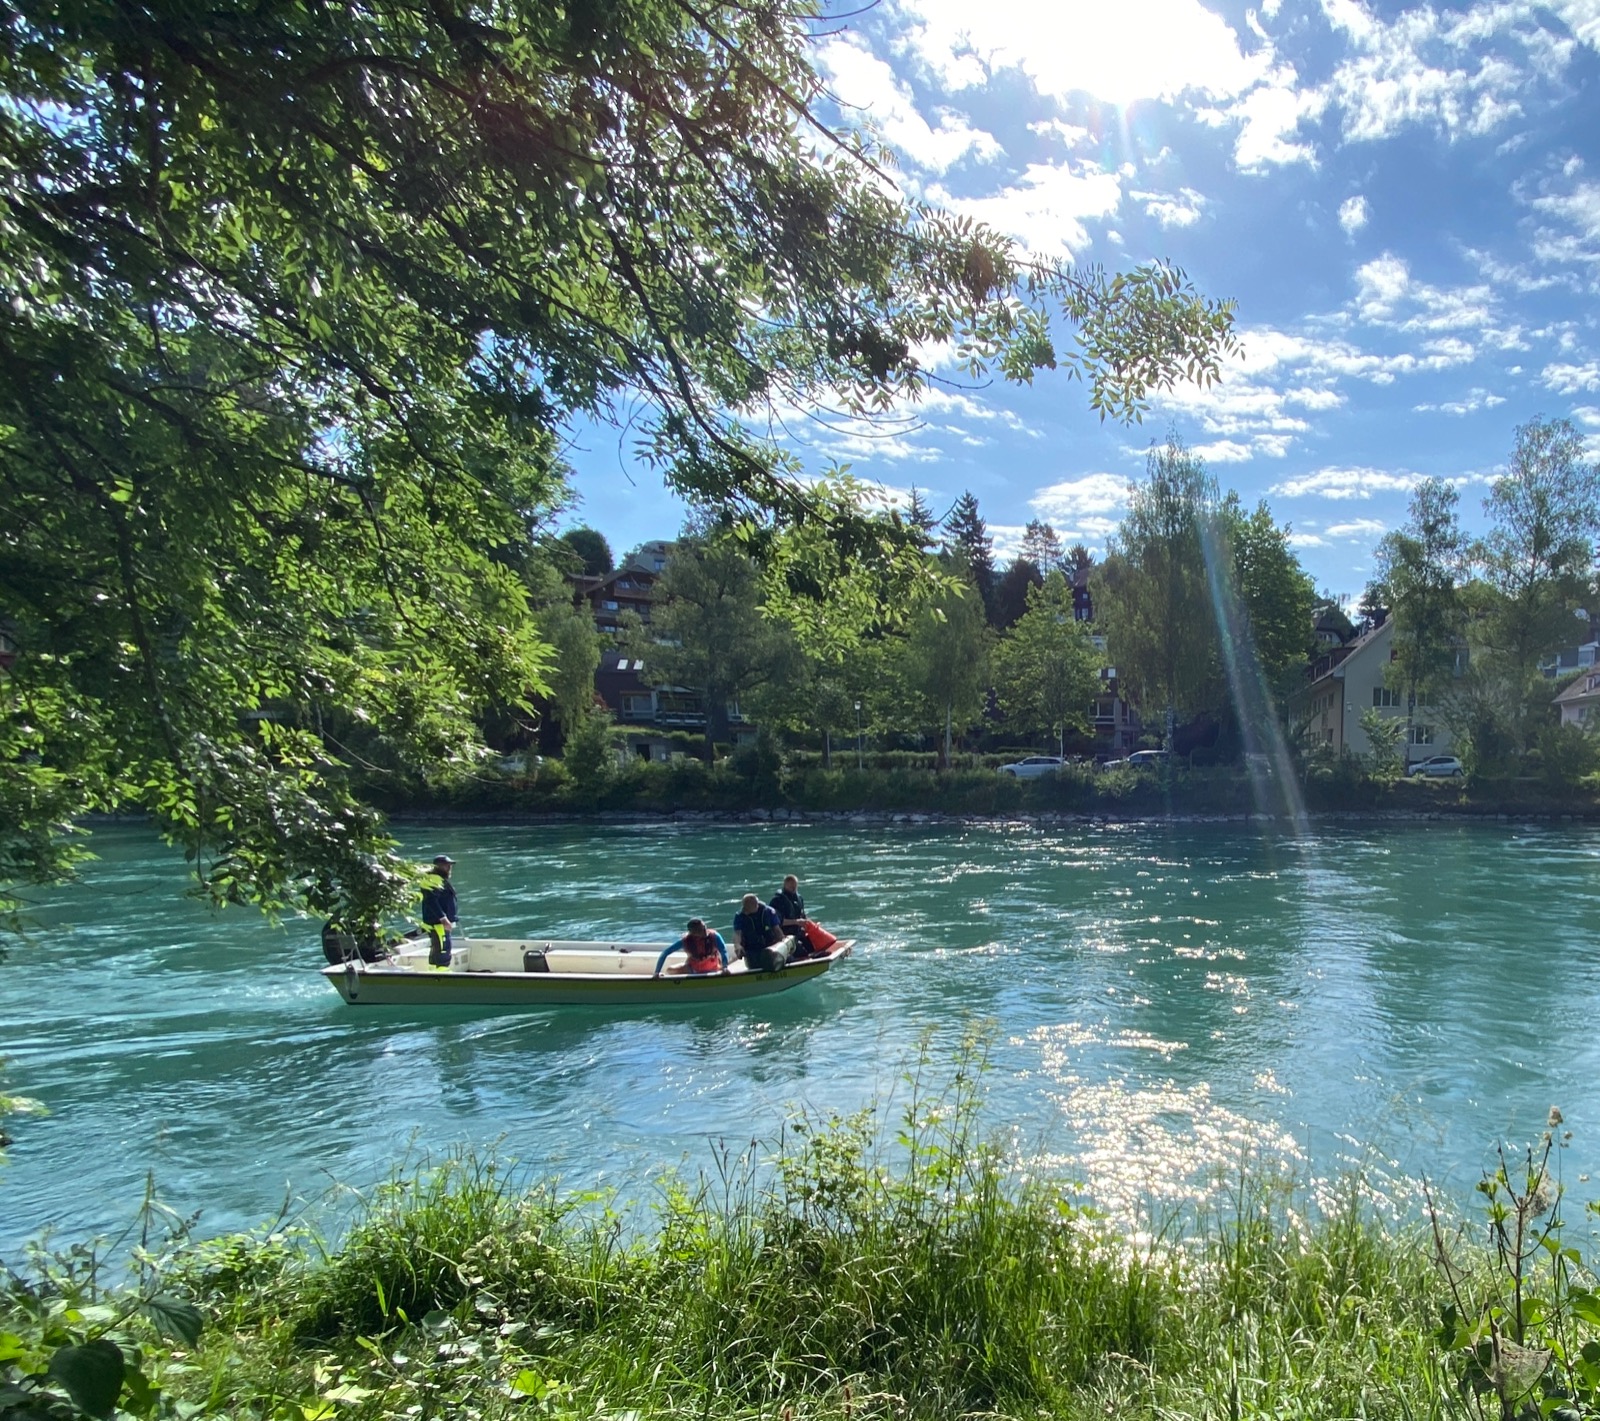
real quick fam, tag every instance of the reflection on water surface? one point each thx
(1167, 1001)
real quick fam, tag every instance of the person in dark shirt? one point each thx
(439, 910)
(757, 931)
(790, 906)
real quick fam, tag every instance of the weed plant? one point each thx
(870, 1267)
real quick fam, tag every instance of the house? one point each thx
(628, 589)
(1580, 702)
(1347, 680)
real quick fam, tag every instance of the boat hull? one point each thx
(625, 982)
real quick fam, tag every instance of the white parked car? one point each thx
(1033, 767)
(1438, 767)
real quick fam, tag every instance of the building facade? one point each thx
(1346, 681)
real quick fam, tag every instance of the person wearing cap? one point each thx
(439, 910)
(757, 931)
(706, 950)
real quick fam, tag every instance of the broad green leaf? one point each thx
(91, 1374)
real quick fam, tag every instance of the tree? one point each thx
(1276, 596)
(1042, 547)
(1152, 594)
(919, 517)
(1418, 569)
(967, 540)
(1536, 560)
(707, 630)
(1047, 671)
(1012, 591)
(301, 301)
(944, 659)
(591, 549)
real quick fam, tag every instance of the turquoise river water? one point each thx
(1165, 1001)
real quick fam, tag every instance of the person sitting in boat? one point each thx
(706, 950)
(790, 906)
(757, 931)
(439, 910)
(791, 910)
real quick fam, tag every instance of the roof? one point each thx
(1586, 687)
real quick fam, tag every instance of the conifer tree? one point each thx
(967, 538)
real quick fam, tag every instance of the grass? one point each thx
(871, 1269)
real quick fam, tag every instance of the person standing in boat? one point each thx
(439, 910)
(706, 950)
(757, 931)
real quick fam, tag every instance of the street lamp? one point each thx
(858, 735)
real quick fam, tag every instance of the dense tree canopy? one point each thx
(298, 301)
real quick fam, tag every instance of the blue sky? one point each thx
(1404, 202)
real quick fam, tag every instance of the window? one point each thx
(1383, 696)
(608, 606)
(1420, 735)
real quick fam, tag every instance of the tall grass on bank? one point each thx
(870, 1268)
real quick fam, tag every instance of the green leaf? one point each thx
(527, 1383)
(91, 1374)
(174, 1317)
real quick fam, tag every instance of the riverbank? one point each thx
(751, 790)
(867, 1272)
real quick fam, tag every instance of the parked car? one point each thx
(1138, 758)
(1149, 757)
(1437, 767)
(1033, 767)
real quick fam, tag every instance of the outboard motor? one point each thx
(338, 946)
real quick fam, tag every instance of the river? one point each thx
(1164, 1001)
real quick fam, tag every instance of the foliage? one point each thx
(591, 550)
(1385, 743)
(1419, 567)
(1047, 671)
(708, 631)
(1567, 753)
(1537, 560)
(944, 662)
(1011, 592)
(1524, 1332)
(1042, 547)
(967, 540)
(590, 754)
(1152, 592)
(890, 1264)
(302, 302)
(1276, 596)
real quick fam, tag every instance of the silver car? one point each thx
(1438, 767)
(1033, 767)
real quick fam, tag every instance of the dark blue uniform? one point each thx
(758, 931)
(438, 908)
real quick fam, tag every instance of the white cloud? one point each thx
(1086, 46)
(1588, 416)
(861, 80)
(1044, 208)
(1353, 214)
(1358, 528)
(1074, 501)
(1180, 210)
(1572, 379)
(1269, 116)
(1069, 133)
(1470, 403)
(1306, 540)
(1339, 483)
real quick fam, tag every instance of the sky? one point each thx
(1403, 201)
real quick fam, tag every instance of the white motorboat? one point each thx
(537, 972)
